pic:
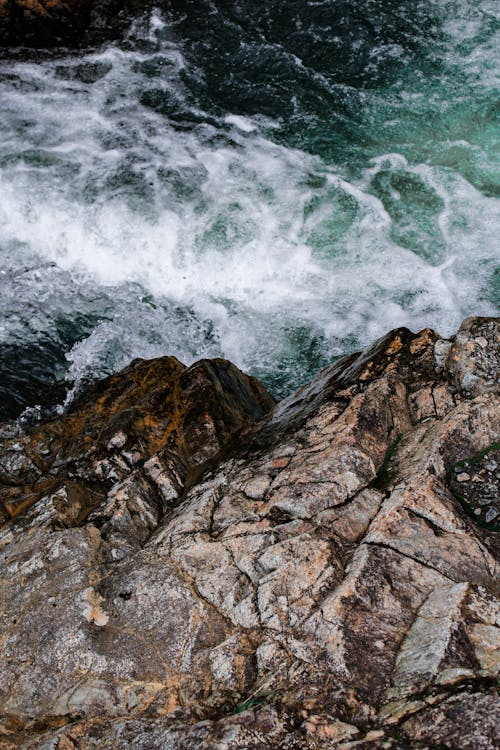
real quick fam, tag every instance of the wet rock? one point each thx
(157, 421)
(65, 23)
(185, 565)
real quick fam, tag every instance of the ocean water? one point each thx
(276, 183)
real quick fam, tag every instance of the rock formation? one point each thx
(187, 565)
(67, 23)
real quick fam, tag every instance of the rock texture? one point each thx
(56, 23)
(187, 565)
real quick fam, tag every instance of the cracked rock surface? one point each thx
(185, 564)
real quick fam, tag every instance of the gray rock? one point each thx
(307, 579)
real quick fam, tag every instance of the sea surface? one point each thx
(277, 183)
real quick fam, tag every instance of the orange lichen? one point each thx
(154, 404)
(394, 346)
(425, 338)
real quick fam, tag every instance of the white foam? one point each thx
(219, 227)
(243, 123)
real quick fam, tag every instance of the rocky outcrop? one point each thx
(157, 419)
(67, 23)
(187, 565)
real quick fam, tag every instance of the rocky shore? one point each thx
(186, 564)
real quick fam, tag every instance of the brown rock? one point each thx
(155, 423)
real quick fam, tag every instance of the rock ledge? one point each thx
(186, 564)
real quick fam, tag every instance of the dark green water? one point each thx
(276, 183)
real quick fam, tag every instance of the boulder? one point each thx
(187, 565)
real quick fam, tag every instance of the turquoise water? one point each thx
(278, 185)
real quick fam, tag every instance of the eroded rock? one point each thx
(185, 566)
